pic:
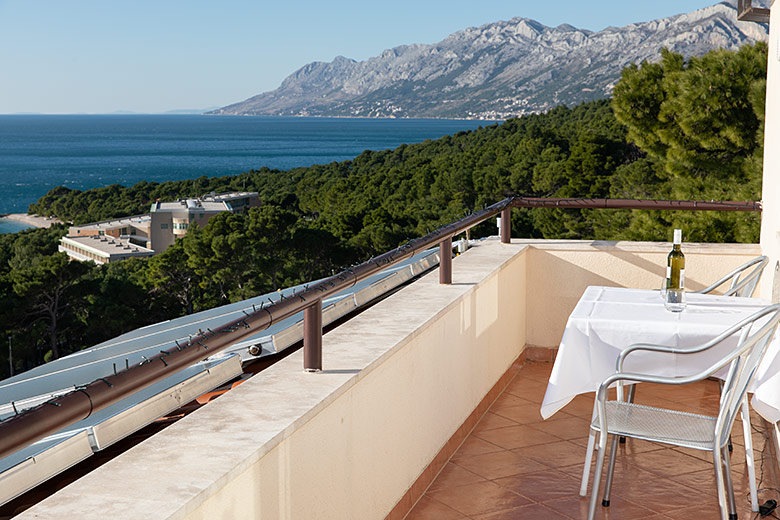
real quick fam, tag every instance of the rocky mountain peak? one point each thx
(498, 70)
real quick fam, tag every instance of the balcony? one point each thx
(515, 465)
(427, 407)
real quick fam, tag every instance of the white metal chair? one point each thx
(701, 432)
(743, 286)
(740, 285)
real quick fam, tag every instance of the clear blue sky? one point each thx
(99, 56)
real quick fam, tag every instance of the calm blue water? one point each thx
(9, 226)
(38, 153)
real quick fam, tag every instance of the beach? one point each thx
(31, 220)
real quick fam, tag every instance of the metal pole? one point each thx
(312, 337)
(506, 225)
(445, 261)
(10, 356)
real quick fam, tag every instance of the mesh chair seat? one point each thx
(688, 430)
(683, 428)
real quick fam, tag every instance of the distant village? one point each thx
(152, 233)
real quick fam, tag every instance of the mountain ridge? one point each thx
(494, 71)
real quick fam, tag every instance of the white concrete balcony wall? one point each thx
(346, 443)
(560, 270)
(770, 190)
(399, 380)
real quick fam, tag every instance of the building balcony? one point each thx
(427, 407)
(514, 465)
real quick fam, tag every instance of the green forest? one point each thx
(674, 129)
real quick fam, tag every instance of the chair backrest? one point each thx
(756, 333)
(743, 282)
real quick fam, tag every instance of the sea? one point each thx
(40, 152)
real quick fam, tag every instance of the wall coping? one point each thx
(172, 473)
(665, 247)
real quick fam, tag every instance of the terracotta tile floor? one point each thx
(515, 465)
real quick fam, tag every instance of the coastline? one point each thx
(32, 220)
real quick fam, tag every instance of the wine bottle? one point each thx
(675, 275)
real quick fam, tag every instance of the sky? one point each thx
(152, 56)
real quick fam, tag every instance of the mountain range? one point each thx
(496, 71)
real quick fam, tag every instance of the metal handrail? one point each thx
(690, 205)
(21, 430)
(747, 13)
(31, 425)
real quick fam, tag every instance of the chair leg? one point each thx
(776, 441)
(588, 457)
(749, 457)
(729, 485)
(720, 391)
(610, 471)
(630, 399)
(720, 485)
(588, 461)
(594, 494)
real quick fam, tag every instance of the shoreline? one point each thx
(32, 220)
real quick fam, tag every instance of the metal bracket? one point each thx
(747, 13)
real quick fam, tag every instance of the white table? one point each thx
(606, 320)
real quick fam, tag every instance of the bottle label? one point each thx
(668, 271)
(682, 278)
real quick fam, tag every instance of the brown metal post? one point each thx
(747, 13)
(312, 337)
(506, 225)
(445, 261)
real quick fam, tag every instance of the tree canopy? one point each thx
(679, 129)
(701, 124)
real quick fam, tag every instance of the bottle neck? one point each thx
(677, 237)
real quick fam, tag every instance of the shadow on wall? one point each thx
(700, 270)
(652, 266)
(556, 280)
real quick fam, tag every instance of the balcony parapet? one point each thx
(346, 442)
(397, 382)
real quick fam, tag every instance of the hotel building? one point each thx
(147, 235)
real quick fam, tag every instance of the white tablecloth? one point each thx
(606, 320)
